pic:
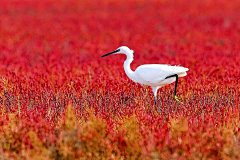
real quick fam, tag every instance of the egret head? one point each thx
(120, 50)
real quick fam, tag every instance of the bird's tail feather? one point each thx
(182, 74)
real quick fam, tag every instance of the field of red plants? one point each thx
(60, 100)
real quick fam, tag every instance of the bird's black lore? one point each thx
(111, 53)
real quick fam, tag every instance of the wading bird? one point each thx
(154, 75)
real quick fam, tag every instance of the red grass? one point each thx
(50, 58)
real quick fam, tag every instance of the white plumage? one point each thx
(154, 75)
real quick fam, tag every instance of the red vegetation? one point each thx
(60, 100)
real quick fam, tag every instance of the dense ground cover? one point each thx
(60, 100)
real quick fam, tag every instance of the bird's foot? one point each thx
(179, 100)
(155, 112)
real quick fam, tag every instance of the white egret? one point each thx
(154, 75)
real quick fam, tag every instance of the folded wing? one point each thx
(151, 74)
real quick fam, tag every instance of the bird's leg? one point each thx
(155, 101)
(155, 107)
(155, 98)
(175, 89)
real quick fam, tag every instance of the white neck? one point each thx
(127, 67)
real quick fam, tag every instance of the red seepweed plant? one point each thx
(59, 100)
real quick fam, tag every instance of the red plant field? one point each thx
(60, 100)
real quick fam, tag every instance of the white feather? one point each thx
(155, 74)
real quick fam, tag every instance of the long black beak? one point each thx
(111, 53)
